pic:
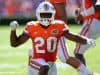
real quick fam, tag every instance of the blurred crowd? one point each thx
(19, 8)
(24, 8)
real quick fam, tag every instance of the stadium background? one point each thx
(13, 61)
(25, 10)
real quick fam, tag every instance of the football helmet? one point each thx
(45, 13)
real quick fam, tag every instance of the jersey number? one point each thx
(51, 43)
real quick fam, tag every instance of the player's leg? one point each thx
(80, 49)
(64, 56)
(32, 71)
(90, 29)
(52, 71)
(38, 67)
(30, 53)
(95, 28)
(53, 68)
(72, 61)
(62, 50)
(44, 70)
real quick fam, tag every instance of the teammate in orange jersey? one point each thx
(91, 25)
(45, 35)
(60, 6)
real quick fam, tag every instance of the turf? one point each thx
(13, 61)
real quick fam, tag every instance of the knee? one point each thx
(79, 56)
(44, 70)
(72, 61)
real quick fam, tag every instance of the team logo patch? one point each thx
(55, 31)
(46, 7)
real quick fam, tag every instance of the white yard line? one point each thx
(24, 65)
(13, 54)
(14, 66)
(3, 73)
(11, 66)
(8, 47)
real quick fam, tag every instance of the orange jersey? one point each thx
(97, 15)
(45, 40)
(58, 1)
(86, 4)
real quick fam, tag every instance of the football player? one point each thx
(60, 6)
(45, 35)
(91, 25)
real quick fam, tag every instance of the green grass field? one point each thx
(13, 61)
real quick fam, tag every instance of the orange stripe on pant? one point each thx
(84, 32)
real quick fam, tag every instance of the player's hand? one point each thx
(14, 25)
(78, 16)
(91, 42)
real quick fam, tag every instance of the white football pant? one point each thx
(35, 64)
(90, 29)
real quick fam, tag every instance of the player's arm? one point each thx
(78, 15)
(61, 11)
(18, 40)
(14, 39)
(74, 37)
(78, 38)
